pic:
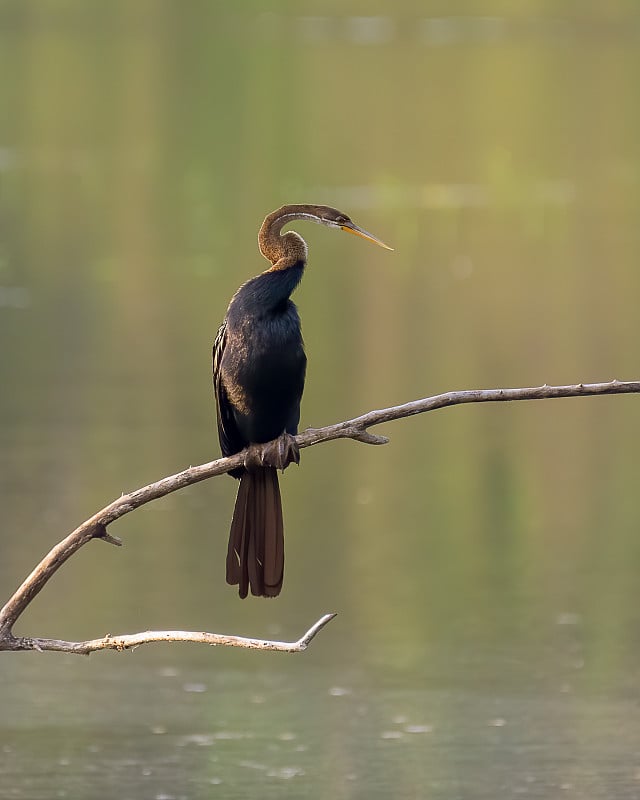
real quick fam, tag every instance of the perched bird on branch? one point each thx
(259, 368)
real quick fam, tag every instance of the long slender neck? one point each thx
(283, 250)
(269, 292)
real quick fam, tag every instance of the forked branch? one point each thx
(357, 429)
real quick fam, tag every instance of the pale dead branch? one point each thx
(130, 641)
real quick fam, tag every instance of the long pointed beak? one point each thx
(351, 228)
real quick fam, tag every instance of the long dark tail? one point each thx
(255, 558)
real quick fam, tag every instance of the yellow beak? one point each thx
(351, 228)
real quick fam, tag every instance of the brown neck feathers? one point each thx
(283, 250)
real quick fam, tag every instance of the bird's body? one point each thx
(262, 364)
(259, 368)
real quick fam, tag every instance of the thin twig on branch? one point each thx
(96, 526)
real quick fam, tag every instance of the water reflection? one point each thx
(484, 563)
(449, 739)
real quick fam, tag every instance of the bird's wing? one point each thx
(230, 441)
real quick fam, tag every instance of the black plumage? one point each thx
(259, 368)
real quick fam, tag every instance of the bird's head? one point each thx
(332, 218)
(290, 248)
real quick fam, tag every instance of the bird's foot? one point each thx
(254, 457)
(281, 452)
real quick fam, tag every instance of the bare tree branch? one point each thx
(128, 641)
(357, 429)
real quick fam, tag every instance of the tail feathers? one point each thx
(255, 558)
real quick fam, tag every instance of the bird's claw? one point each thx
(254, 457)
(281, 452)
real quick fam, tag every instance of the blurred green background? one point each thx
(485, 563)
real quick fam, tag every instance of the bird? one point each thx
(259, 367)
